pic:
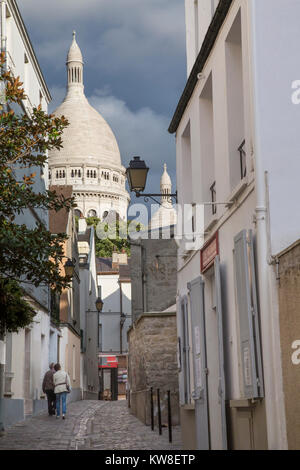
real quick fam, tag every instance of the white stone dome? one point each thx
(88, 138)
(165, 178)
(89, 159)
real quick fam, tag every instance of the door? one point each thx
(221, 390)
(200, 395)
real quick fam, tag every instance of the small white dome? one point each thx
(74, 54)
(165, 179)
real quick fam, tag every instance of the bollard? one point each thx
(169, 416)
(159, 413)
(152, 409)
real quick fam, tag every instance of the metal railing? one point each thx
(159, 414)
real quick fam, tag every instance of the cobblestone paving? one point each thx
(89, 425)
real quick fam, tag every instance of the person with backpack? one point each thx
(48, 388)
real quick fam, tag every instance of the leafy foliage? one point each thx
(15, 311)
(27, 254)
(111, 236)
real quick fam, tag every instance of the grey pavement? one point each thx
(89, 425)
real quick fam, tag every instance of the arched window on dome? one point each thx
(92, 213)
(104, 215)
(77, 213)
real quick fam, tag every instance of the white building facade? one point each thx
(90, 158)
(25, 356)
(89, 378)
(236, 130)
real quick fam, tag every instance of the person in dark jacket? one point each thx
(48, 388)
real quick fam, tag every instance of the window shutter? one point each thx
(248, 315)
(181, 355)
(222, 385)
(184, 389)
(200, 393)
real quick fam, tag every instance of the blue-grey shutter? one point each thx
(248, 319)
(187, 352)
(222, 388)
(184, 382)
(196, 289)
(256, 323)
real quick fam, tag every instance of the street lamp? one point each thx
(137, 176)
(69, 268)
(99, 304)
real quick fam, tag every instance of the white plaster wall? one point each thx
(198, 15)
(17, 365)
(277, 139)
(126, 297)
(110, 291)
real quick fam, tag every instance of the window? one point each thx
(235, 102)
(79, 173)
(74, 363)
(57, 174)
(72, 173)
(88, 173)
(92, 213)
(95, 174)
(207, 142)
(243, 164)
(49, 174)
(213, 198)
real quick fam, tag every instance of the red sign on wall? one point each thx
(209, 252)
(108, 362)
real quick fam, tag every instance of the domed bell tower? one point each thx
(75, 65)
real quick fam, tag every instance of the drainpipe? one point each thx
(274, 400)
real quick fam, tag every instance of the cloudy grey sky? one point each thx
(135, 66)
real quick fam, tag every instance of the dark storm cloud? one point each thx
(134, 52)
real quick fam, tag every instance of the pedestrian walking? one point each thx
(48, 388)
(62, 387)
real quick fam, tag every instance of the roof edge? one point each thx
(208, 43)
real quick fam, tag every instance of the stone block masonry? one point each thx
(289, 315)
(152, 362)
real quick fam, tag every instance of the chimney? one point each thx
(82, 225)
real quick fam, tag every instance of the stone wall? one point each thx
(152, 362)
(153, 275)
(289, 312)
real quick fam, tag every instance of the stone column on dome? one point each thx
(83, 174)
(67, 174)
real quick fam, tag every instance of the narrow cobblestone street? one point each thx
(89, 425)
